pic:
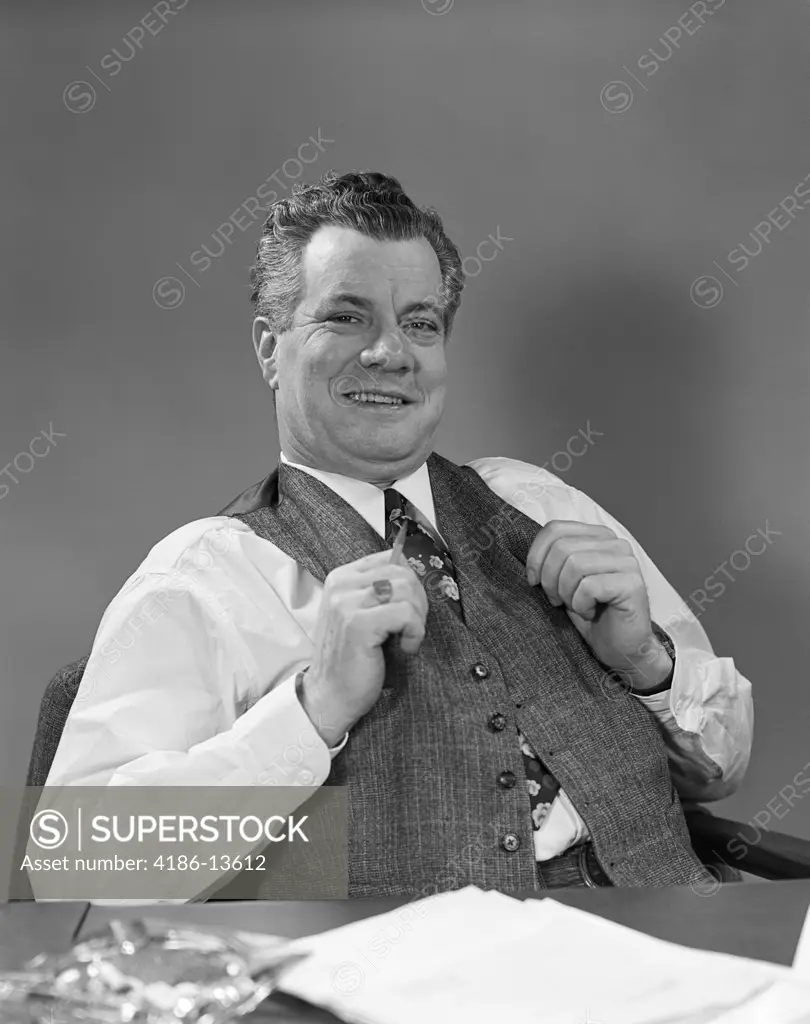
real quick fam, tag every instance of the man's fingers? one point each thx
(403, 588)
(413, 632)
(577, 566)
(372, 561)
(577, 546)
(360, 566)
(615, 588)
(399, 617)
(370, 565)
(364, 570)
(553, 532)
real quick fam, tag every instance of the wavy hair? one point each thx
(373, 204)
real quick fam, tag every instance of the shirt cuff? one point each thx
(662, 702)
(665, 685)
(334, 751)
(299, 682)
(655, 701)
(286, 748)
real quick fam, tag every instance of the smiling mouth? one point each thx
(375, 398)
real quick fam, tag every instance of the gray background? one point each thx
(492, 113)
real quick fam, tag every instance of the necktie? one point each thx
(431, 561)
(424, 551)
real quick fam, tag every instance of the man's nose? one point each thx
(389, 351)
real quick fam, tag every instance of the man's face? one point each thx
(361, 331)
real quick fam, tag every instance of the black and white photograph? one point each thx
(404, 493)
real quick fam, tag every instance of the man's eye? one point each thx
(423, 325)
(343, 317)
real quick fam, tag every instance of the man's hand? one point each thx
(348, 668)
(596, 576)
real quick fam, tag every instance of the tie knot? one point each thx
(394, 505)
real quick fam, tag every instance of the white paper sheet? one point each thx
(480, 957)
(786, 1002)
(801, 958)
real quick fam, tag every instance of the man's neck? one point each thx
(306, 462)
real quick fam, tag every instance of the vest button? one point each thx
(497, 722)
(480, 670)
(507, 780)
(510, 842)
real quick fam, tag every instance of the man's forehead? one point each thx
(343, 260)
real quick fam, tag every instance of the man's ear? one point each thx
(265, 344)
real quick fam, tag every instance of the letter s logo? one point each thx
(48, 829)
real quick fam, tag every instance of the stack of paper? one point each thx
(801, 960)
(478, 957)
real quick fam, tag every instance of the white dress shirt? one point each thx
(192, 672)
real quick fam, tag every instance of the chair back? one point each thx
(53, 715)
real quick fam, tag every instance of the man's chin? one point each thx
(387, 447)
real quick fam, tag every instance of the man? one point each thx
(521, 671)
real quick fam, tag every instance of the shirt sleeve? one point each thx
(171, 697)
(175, 707)
(706, 718)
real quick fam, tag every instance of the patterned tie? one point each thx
(430, 559)
(426, 554)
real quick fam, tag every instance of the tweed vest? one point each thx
(422, 767)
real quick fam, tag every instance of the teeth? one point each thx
(365, 396)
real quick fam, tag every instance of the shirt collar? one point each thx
(368, 499)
